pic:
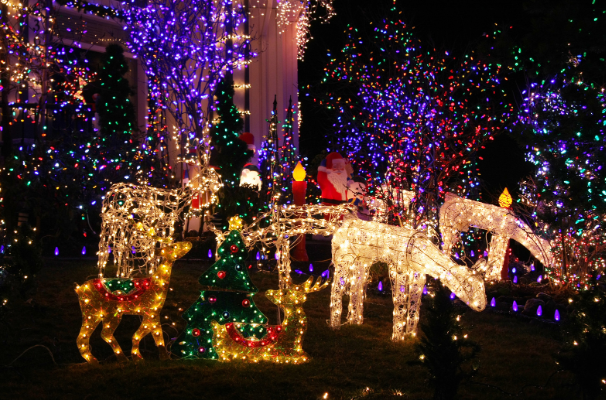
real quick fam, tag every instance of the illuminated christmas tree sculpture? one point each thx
(227, 298)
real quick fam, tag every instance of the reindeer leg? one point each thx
(159, 338)
(416, 283)
(357, 284)
(107, 333)
(89, 323)
(339, 284)
(150, 325)
(144, 329)
(399, 294)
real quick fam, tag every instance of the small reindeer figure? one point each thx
(102, 303)
(283, 343)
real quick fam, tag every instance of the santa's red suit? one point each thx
(332, 178)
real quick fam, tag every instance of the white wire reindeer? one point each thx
(157, 207)
(458, 215)
(410, 255)
(286, 222)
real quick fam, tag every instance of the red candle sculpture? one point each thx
(299, 188)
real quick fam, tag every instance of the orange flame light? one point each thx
(505, 199)
(299, 172)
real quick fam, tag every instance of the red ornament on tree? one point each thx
(234, 249)
(212, 299)
(245, 303)
(221, 274)
(195, 332)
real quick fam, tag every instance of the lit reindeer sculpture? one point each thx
(283, 343)
(410, 255)
(106, 301)
(458, 214)
(135, 252)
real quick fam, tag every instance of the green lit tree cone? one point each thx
(227, 297)
(229, 272)
(222, 307)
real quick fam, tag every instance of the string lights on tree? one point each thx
(187, 71)
(562, 122)
(411, 116)
(303, 12)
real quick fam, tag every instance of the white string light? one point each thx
(410, 255)
(458, 214)
(287, 222)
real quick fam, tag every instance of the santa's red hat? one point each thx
(331, 157)
(249, 139)
(251, 167)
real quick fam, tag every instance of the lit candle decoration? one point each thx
(299, 189)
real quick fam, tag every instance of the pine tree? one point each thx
(444, 348)
(269, 159)
(227, 298)
(584, 349)
(562, 124)
(287, 156)
(116, 111)
(230, 152)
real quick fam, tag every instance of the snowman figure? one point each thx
(356, 195)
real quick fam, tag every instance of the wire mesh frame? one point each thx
(126, 204)
(286, 222)
(410, 255)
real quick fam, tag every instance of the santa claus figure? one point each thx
(333, 174)
(250, 176)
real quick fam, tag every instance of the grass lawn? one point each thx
(353, 362)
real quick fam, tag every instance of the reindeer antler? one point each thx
(151, 232)
(317, 286)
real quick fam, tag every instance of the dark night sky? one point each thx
(451, 25)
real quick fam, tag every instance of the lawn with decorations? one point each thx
(352, 362)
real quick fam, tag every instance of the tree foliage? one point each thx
(444, 348)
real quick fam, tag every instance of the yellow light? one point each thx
(285, 347)
(505, 199)
(142, 302)
(299, 172)
(235, 223)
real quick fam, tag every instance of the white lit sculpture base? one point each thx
(410, 255)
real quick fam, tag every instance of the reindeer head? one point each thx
(174, 251)
(295, 295)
